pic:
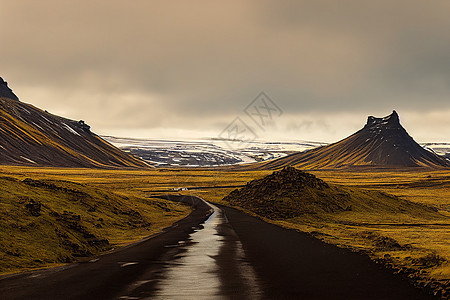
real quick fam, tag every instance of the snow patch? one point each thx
(37, 126)
(71, 129)
(47, 120)
(27, 159)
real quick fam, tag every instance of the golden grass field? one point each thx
(426, 248)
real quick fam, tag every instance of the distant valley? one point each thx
(205, 152)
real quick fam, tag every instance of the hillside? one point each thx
(382, 143)
(30, 136)
(44, 222)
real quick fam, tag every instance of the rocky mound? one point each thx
(291, 193)
(383, 143)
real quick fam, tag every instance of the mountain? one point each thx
(382, 142)
(30, 136)
(5, 91)
(291, 193)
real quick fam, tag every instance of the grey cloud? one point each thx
(208, 59)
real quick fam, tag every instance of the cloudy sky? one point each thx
(182, 69)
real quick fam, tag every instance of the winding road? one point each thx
(217, 253)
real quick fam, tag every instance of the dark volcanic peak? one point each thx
(391, 145)
(5, 91)
(391, 121)
(382, 142)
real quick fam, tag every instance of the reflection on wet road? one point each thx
(209, 265)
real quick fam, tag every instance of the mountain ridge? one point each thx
(30, 136)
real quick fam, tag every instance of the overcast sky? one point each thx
(188, 68)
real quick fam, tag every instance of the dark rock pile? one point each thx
(288, 178)
(289, 193)
(34, 208)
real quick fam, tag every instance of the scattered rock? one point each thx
(73, 222)
(387, 243)
(84, 126)
(382, 243)
(34, 208)
(163, 206)
(14, 252)
(75, 195)
(429, 261)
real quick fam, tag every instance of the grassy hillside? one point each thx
(46, 222)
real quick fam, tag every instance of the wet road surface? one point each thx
(200, 267)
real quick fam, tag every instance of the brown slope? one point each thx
(30, 136)
(383, 142)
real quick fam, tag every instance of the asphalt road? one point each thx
(294, 265)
